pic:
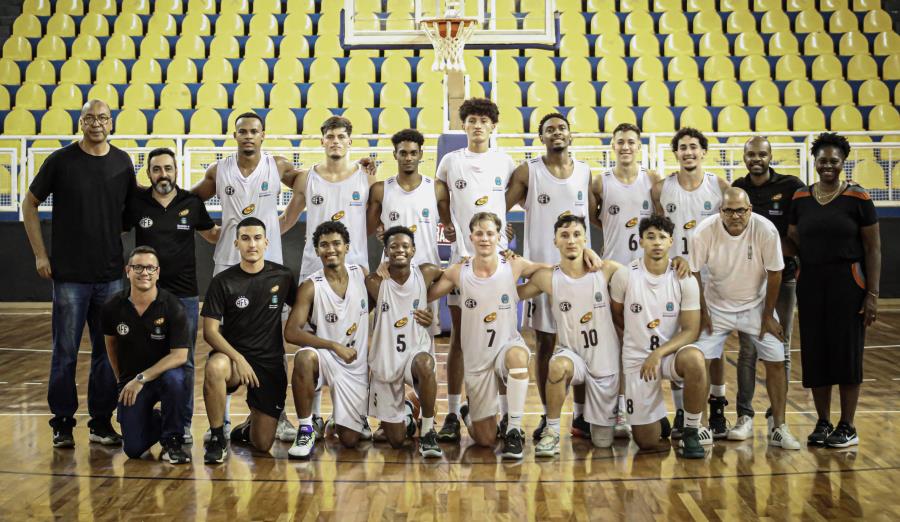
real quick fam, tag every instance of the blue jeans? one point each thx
(75, 304)
(191, 309)
(141, 426)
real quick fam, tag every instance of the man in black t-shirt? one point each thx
(770, 194)
(147, 341)
(90, 181)
(242, 324)
(165, 218)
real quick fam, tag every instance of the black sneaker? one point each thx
(539, 432)
(678, 425)
(718, 425)
(102, 432)
(450, 430)
(512, 444)
(820, 433)
(428, 445)
(842, 437)
(580, 428)
(240, 434)
(215, 450)
(690, 444)
(665, 429)
(62, 436)
(172, 451)
(410, 423)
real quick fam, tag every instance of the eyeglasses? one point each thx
(90, 119)
(141, 268)
(739, 212)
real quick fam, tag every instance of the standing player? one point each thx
(402, 351)
(329, 320)
(408, 199)
(242, 324)
(588, 343)
(469, 181)
(551, 185)
(686, 197)
(660, 317)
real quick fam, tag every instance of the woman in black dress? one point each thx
(835, 227)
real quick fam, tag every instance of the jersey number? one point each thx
(531, 308)
(684, 250)
(401, 343)
(590, 338)
(632, 243)
(491, 340)
(654, 342)
(629, 406)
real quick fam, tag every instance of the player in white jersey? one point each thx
(408, 200)
(549, 186)
(686, 197)
(660, 317)
(468, 181)
(742, 254)
(588, 346)
(330, 322)
(493, 349)
(402, 350)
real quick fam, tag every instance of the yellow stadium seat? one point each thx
(155, 46)
(5, 102)
(886, 43)
(396, 94)
(740, 22)
(734, 5)
(771, 118)
(37, 7)
(259, 46)
(328, 45)
(128, 24)
(733, 119)
(647, 68)
(665, 6)
(212, 95)
(707, 22)
(609, 44)
(19, 122)
(397, 68)
(790, 67)
(263, 24)
(754, 68)
(700, 5)
(678, 44)
(267, 6)
(217, 70)
(630, 6)
(201, 6)
(393, 118)
(672, 22)
(846, 118)
(66, 96)
(249, 94)
(162, 24)
(784, 43)
(884, 117)
(329, 23)
(833, 5)
(120, 46)
(253, 70)
(146, 70)
(639, 22)
(604, 23)
(175, 96)
(324, 94)
(874, 92)
(842, 21)
(583, 118)
(837, 92)
(31, 96)
(190, 46)
(826, 67)
(747, 44)
(507, 67)
(895, 175)
(360, 69)
(10, 72)
(612, 67)
(57, 121)
(75, 70)
(862, 67)
(877, 21)
(181, 70)
(866, 5)
(713, 44)
(138, 6)
(286, 95)
(761, 6)
(86, 47)
(616, 115)
(763, 92)
(139, 96)
(229, 25)
(168, 121)
(312, 120)
(571, 22)
(196, 24)
(27, 26)
(606, 6)
(690, 92)
(818, 43)
(891, 67)
(103, 7)
(540, 93)
(70, 7)
(105, 92)
(41, 71)
(809, 21)
(288, 70)
(430, 121)
(643, 44)
(682, 68)
(853, 43)
(869, 174)
(224, 46)
(571, 45)
(235, 6)
(658, 119)
(809, 118)
(774, 21)
(652, 93)
(112, 70)
(794, 6)
(94, 24)
(616, 92)
(206, 121)
(361, 119)
(52, 48)
(298, 23)
(726, 92)
(718, 68)
(799, 92)
(537, 67)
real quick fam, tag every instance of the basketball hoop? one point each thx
(449, 37)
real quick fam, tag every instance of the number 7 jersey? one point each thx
(489, 317)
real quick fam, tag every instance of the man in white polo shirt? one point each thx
(742, 252)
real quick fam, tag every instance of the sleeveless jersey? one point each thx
(549, 197)
(342, 320)
(256, 196)
(652, 304)
(344, 201)
(397, 336)
(687, 209)
(416, 210)
(488, 314)
(621, 212)
(584, 321)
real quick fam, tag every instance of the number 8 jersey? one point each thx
(488, 314)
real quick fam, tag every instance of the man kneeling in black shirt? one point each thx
(242, 324)
(146, 335)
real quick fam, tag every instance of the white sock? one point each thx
(678, 398)
(306, 421)
(317, 403)
(453, 404)
(620, 404)
(504, 405)
(427, 424)
(553, 424)
(692, 420)
(717, 390)
(228, 409)
(579, 409)
(516, 392)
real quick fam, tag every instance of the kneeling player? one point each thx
(587, 343)
(330, 321)
(660, 316)
(242, 324)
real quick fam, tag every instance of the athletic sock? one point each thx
(717, 390)
(228, 409)
(306, 421)
(504, 405)
(621, 404)
(427, 424)
(317, 403)
(692, 420)
(553, 424)
(218, 432)
(516, 393)
(678, 398)
(453, 404)
(579, 409)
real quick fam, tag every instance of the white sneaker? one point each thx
(743, 430)
(304, 443)
(366, 433)
(548, 446)
(285, 431)
(782, 438)
(706, 436)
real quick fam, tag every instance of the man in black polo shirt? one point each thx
(165, 217)
(242, 324)
(147, 342)
(90, 181)
(770, 194)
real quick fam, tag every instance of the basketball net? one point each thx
(449, 35)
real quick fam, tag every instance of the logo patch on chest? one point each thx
(122, 329)
(631, 223)
(242, 302)
(491, 317)
(352, 330)
(249, 209)
(339, 216)
(653, 324)
(586, 317)
(401, 323)
(481, 201)
(690, 224)
(184, 212)
(145, 222)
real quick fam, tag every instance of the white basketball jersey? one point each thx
(687, 209)
(256, 196)
(397, 336)
(584, 320)
(342, 320)
(621, 212)
(416, 210)
(344, 201)
(548, 198)
(488, 314)
(651, 307)
(477, 183)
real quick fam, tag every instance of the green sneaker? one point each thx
(548, 446)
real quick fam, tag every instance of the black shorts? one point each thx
(269, 397)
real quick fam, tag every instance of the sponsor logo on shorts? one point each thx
(339, 216)
(160, 321)
(122, 329)
(653, 324)
(481, 201)
(182, 224)
(355, 199)
(690, 224)
(242, 302)
(670, 306)
(317, 199)
(273, 305)
(401, 323)
(331, 318)
(586, 317)
(471, 303)
(613, 210)
(352, 330)
(248, 209)
(565, 306)
(229, 190)
(393, 215)
(460, 184)
(543, 199)
(598, 296)
(636, 308)
(671, 207)
(631, 223)
(145, 222)
(184, 212)
(491, 317)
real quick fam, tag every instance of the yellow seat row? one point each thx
(109, 7)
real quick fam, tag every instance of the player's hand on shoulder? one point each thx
(592, 260)
(510, 232)
(681, 267)
(382, 270)
(369, 165)
(509, 254)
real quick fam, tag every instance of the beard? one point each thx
(163, 186)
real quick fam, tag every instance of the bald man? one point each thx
(742, 254)
(770, 194)
(90, 181)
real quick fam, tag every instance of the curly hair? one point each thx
(479, 107)
(691, 133)
(658, 222)
(549, 117)
(831, 139)
(408, 135)
(399, 230)
(330, 227)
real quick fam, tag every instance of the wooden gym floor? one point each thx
(738, 480)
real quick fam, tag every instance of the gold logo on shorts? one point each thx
(159, 322)
(653, 324)
(248, 210)
(275, 288)
(339, 216)
(586, 317)
(401, 323)
(690, 224)
(413, 228)
(351, 330)
(631, 223)
(491, 317)
(481, 201)
(184, 212)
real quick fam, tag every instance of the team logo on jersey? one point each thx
(425, 212)
(690, 224)
(265, 185)
(460, 184)
(670, 306)
(631, 223)
(543, 199)
(274, 303)
(242, 302)
(413, 228)
(707, 205)
(491, 317)
(385, 307)
(646, 205)
(248, 209)
(598, 296)
(498, 181)
(636, 308)
(415, 304)
(363, 304)
(504, 298)
(338, 216)
(394, 215)
(352, 330)
(613, 210)
(580, 195)
(182, 222)
(401, 323)
(331, 318)
(471, 303)
(671, 207)
(317, 199)
(565, 306)
(586, 317)
(145, 222)
(157, 334)
(355, 195)
(184, 212)
(777, 197)
(653, 324)
(481, 201)
(229, 190)
(122, 329)
(159, 322)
